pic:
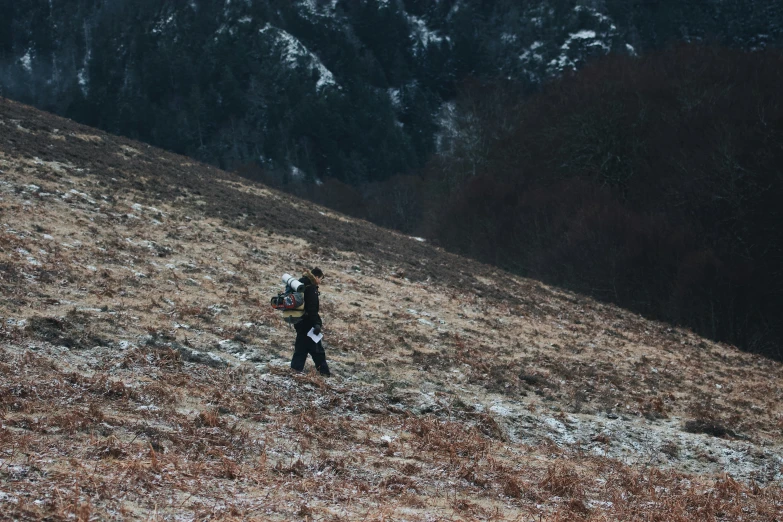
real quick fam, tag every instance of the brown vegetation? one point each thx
(143, 375)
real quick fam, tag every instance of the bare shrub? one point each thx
(209, 418)
(708, 426)
(563, 481)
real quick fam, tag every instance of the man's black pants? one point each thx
(304, 346)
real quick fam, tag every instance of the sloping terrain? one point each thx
(144, 376)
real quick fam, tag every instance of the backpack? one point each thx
(291, 300)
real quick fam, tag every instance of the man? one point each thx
(311, 321)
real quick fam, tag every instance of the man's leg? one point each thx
(300, 352)
(319, 358)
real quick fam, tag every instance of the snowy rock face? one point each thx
(262, 68)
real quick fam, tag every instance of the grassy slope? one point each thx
(143, 375)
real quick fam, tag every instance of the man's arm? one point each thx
(312, 305)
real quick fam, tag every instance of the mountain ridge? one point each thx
(257, 82)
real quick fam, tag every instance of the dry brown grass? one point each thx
(142, 375)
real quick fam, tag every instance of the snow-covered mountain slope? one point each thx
(302, 85)
(143, 374)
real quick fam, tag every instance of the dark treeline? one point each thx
(348, 90)
(655, 183)
(344, 96)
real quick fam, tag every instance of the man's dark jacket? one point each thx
(311, 305)
(304, 345)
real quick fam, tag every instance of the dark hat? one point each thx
(317, 272)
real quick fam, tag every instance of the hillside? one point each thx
(143, 375)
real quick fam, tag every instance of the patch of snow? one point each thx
(297, 173)
(215, 358)
(6, 497)
(81, 195)
(581, 35)
(600, 16)
(82, 78)
(421, 35)
(501, 410)
(394, 96)
(561, 430)
(292, 52)
(561, 62)
(82, 75)
(30, 259)
(419, 239)
(162, 24)
(26, 61)
(326, 77)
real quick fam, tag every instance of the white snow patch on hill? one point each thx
(26, 61)
(293, 50)
(421, 34)
(312, 7)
